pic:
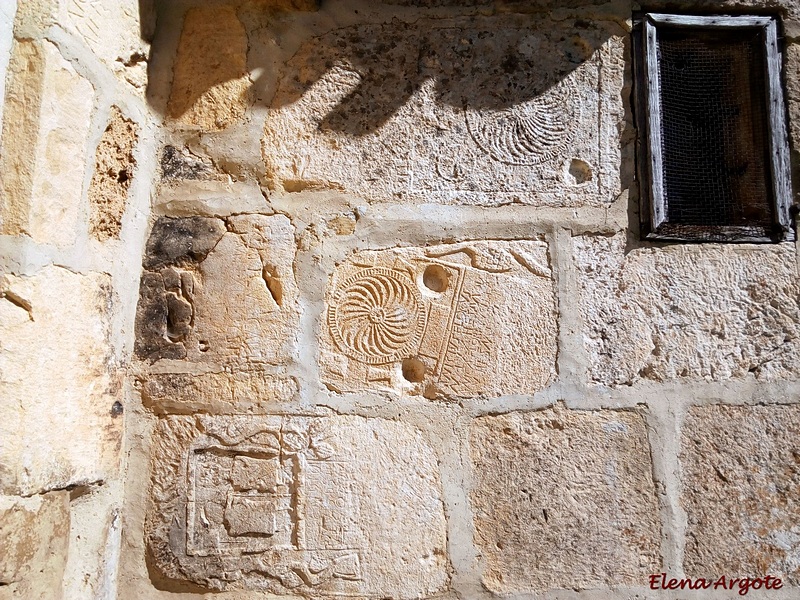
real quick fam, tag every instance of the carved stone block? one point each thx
(711, 312)
(460, 320)
(219, 291)
(312, 506)
(740, 491)
(564, 499)
(482, 111)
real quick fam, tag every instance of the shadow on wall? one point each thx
(484, 63)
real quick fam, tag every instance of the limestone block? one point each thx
(58, 382)
(114, 31)
(222, 296)
(225, 393)
(457, 320)
(210, 86)
(564, 499)
(305, 506)
(711, 312)
(43, 154)
(792, 74)
(740, 491)
(114, 167)
(34, 540)
(481, 110)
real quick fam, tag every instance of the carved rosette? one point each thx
(377, 316)
(529, 133)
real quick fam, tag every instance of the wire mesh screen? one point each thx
(715, 136)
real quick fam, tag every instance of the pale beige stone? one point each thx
(210, 86)
(710, 312)
(43, 154)
(459, 320)
(252, 392)
(113, 30)
(564, 499)
(740, 491)
(58, 385)
(113, 174)
(222, 296)
(34, 537)
(484, 111)
(304, 506)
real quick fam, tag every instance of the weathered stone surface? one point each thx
(564, 499)
(741, 477)
(43, 159)
(464, 320)
(58, 383)
(114, 167)
(793, 92)
(114, 31)
(311, 506)
(210, 86)
(484, 111)
(226, 393)
(34, 537)
(211, 295)
(180, 163)
(707, 311)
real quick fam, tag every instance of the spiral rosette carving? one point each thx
(377, 316)
(529, 133)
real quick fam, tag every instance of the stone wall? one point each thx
(395, 333)
(76, 168)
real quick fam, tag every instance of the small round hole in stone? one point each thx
(413, 369)
(436, 278)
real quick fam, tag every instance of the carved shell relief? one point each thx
(529, 133)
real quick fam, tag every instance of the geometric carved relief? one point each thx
(467, 111)
(290, 505)
(469, 319)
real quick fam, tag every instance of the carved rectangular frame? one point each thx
(653, 214)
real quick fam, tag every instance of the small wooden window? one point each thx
(713, 129)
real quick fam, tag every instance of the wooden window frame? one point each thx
(654, 224)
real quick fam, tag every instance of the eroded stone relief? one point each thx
(220, 291)
(467, 111)
(319, 506)
(469, 319)
(564, 499)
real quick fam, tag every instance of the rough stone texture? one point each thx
(114, 31)
(34, 537)
(43, 156)
(58, 382)
(792, 74)
(564, 499)
(457, 111)
(114, 167)
(211, 295)
(239, 393)
(210, 86)
(707, 311)
(741, 476)
(470, 319)
(311, 506)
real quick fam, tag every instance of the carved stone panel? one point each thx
(314, 506)
(219, 291)
(481, 111)
(460, 320)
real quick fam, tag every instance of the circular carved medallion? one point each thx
(377, 316)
